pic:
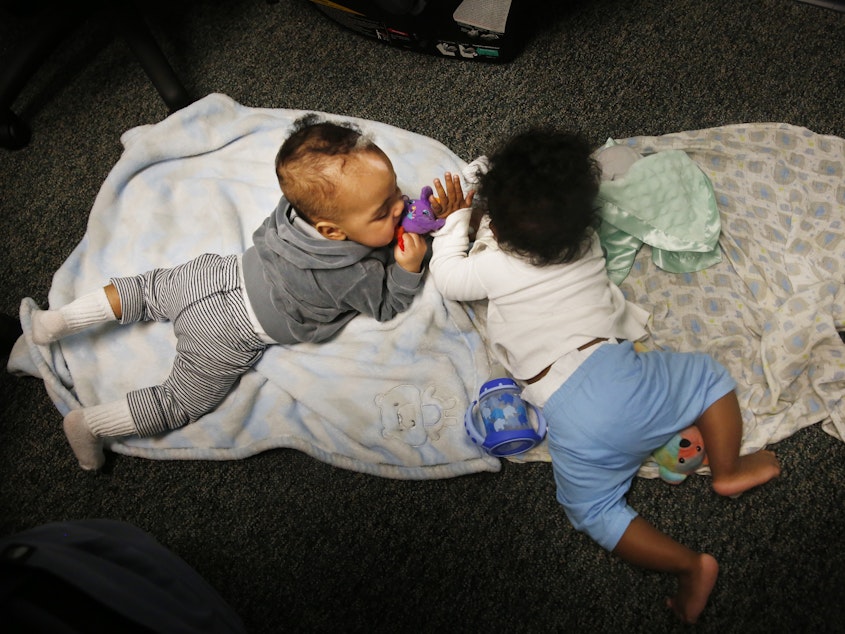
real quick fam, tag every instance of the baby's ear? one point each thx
(330, 230)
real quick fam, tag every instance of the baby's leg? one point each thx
(93, 308)
(190, 391)
(643, 545)
(721, 429)
(85, 428)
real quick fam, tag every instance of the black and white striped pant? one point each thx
(216, 342)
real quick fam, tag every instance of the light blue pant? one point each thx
(610, 415)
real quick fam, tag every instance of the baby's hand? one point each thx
(409, 255)
(451, 198)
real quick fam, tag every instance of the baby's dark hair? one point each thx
(310, 161)
(539, 192)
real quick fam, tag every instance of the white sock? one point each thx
(84, 429)
(87, 448)
(110, 419)
(90, 309)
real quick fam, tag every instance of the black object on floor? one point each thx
(57, 21)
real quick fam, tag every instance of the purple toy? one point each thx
(418, 216)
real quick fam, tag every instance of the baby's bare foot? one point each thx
(87, 448)
(694, 590)
(752, 470)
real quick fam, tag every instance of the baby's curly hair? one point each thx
(310, 162)
(539, 192)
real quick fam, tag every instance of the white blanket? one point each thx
(382, 398)
(389, 399)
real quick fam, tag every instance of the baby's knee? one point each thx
(156, 409)
(603, 524)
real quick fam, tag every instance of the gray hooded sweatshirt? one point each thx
(304, 287)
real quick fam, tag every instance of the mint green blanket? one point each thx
(666, 201)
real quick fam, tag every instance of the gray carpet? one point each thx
(295, 545)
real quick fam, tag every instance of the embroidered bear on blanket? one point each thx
(412, 416)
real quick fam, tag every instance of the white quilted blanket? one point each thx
(770, 310)
(389, 399)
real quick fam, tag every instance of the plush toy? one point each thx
(683, 454)
(418, 217)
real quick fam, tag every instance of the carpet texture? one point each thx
(293, 544)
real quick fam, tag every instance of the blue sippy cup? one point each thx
(500, 421)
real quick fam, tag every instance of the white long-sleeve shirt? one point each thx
(535, 315)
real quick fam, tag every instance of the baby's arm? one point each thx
(381, 291)
(454, 272)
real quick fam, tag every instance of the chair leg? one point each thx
(10, 330)
(58, 21)
(14, 132)
(16, 72)
(130, 24)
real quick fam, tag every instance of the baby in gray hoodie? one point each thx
(326, 254)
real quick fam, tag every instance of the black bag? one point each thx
(103, 576)
(478, 30)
